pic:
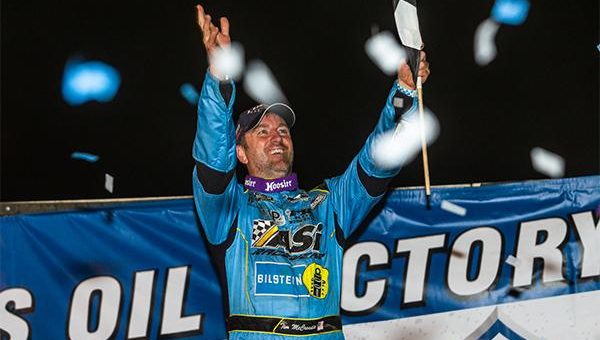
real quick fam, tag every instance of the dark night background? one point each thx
(541, 90)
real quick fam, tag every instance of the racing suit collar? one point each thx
(287, 183)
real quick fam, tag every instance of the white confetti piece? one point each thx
(229, 60)
(513, 261)
(260, 84)
(485, 44)
(547, 163)
(374, 29)
(392, 150)
(385, 52)
(109, 183)
(453, 208)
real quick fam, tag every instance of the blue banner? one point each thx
(142, 270)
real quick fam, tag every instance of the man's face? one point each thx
(267, 150)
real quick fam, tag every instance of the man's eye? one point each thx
(262, 132)
(284, 132)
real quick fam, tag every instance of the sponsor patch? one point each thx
(262, 231)
(275, 186)
(318, 200)
(306, 239)
(300, 216)
(277, 217)
(283, 253)
(258, 197)
(316, 280)
(279, 279)
(298, 198)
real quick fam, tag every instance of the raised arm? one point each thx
(361, 186)
(213, 37)
(215, 187)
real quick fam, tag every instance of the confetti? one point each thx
(85, 81)
(188, 91)
(458, 254)
(385, 52)
(84, 156)
(516, 292)
(229, 60)
(109, 183)
(485, 45)
(260, 84)
(510, 12)
(395, 148)
(547, 163)
(374, 29)
(513, 261)
(453, 208)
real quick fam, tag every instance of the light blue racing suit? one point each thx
(279, 254)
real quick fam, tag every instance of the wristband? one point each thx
(406, 92)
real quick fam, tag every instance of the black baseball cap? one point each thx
(250, 118)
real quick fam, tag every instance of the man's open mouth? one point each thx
(276, 151)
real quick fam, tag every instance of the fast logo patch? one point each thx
(262, 231)
(316, 280)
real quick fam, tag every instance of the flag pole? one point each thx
(407, 24)
(424, 143)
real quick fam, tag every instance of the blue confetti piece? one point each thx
(84, 156)
(85, 81)
(188, 91)
(510, 12)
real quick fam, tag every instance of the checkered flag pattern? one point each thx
(260, 228)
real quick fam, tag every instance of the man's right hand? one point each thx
(213, 37)
(405, 76)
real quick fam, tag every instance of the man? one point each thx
(278, 248)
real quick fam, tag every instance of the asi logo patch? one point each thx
(316, 280)
(267, 235)
(262, 231)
